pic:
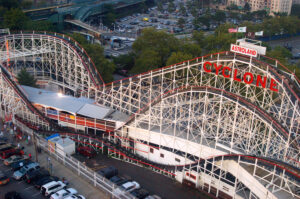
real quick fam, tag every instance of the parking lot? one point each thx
(28, 191)
(153, 182)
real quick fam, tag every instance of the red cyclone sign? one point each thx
(243, 50)
(238, 76)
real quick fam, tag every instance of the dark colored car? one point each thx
(35, 175)
(11, 152)
(86, 151)
(18, 165)
(118, 180)
(39, 183)
(140, 193)
(108, 172)
(12, 195)
(3, 178)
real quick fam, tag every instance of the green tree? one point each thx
(171, 7)
(177, 57)
(182, 9)
(181, 22)
(192, 49)
(194, 12)
(219, 42)
(9, 4)
(24, 78)
(125, 61)
(15, 19)
(247, 7)
(160, 6)
(198, 37)
(104, 66)
(295, 10)
(40, 26)
(161, 42)
(220, 16)
(281, 54)
(148, 60)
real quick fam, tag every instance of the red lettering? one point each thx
(272, 85)
(224, 69)
(217, 68)
(234, 76)
(204, 66)
(246, 79)
(259, 81)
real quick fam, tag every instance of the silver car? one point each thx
(18, 175)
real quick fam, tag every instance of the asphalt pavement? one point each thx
(155, 183)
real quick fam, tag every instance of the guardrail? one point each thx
(78, 167)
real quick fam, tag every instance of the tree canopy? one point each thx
(104, 66)
(24, 78)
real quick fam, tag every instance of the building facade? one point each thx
(273, 6)
(296, 2)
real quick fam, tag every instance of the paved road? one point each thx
(294, 42)
(155, 183)
(28, 191)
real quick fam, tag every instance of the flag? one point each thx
(260, 33)
(250, 35)
(231, 30)
(242, 29)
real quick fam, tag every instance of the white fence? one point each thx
(78, 167)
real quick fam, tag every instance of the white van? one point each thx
(52, 187)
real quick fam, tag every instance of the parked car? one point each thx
(118, 180)
(86, 151)
(108, 172)
(6, 147)
(40, 182)
(52, 187)
(10, 152)
(61, 194)
(126, 187)
(153, 197)
(12, 195)
(3, 178)
(19, 164)
(36, 174)
(14, 158)
(140, 193)
(18, 175)
(75, 196)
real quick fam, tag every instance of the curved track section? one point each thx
(199, 115)
(216, 119)
(51, 58)
(132, 94)
(236, 175)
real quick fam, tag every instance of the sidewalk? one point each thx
(59, 170)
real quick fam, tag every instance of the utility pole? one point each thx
(35, 147)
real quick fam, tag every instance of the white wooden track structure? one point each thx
(229, 138)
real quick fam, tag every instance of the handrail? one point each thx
(237, 98)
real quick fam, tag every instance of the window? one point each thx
(177, 160)
(191, 176)
(162, 155)
(151, 150)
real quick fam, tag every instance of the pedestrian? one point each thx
(28, 139)
(19, 146)
(15, 128)
(1, 134)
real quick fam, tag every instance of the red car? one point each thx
(11, 152)
(86, 151)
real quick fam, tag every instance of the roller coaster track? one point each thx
(139, 95)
